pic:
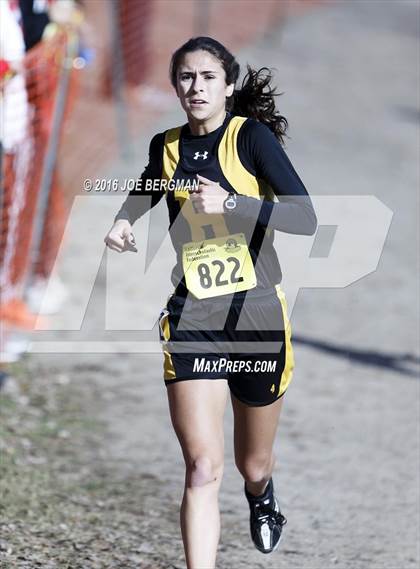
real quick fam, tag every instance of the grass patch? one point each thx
(61, 505)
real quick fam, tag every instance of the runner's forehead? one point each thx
(200, 61)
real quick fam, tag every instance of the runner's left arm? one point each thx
(263, 155)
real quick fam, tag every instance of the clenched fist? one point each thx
(120, 237)
(209, 196)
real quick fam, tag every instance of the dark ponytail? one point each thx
(255, 98)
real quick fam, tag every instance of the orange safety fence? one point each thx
(23, 173)
(130, 29)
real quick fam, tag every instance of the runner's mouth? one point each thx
(198, 102)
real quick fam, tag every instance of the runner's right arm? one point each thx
(138, 201)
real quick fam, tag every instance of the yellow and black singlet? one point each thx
(245, 157)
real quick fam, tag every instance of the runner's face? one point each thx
(201, 86)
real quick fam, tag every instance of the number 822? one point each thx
(205, 276)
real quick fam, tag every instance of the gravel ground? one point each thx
(348, 445)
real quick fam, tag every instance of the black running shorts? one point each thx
(246, 341)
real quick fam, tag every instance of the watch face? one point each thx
(230, 202)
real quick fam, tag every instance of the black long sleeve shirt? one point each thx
(263, 156)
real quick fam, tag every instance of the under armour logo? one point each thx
(197, 155)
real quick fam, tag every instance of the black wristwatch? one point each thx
(229, 204)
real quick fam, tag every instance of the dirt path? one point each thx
(347, 446)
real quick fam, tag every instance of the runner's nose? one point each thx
(197, 85)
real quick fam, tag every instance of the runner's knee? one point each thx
(203, 470)
(255, 468)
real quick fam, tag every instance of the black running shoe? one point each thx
(266, 520)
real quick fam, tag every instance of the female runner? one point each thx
(227, 305)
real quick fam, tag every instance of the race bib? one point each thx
(218, 266)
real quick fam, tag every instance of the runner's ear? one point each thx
(229, 90)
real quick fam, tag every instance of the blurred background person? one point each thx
(16, 153)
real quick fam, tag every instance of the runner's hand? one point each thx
(120, 237)
(208, 197)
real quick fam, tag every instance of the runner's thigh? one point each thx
(197, 409)
(254, 429)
